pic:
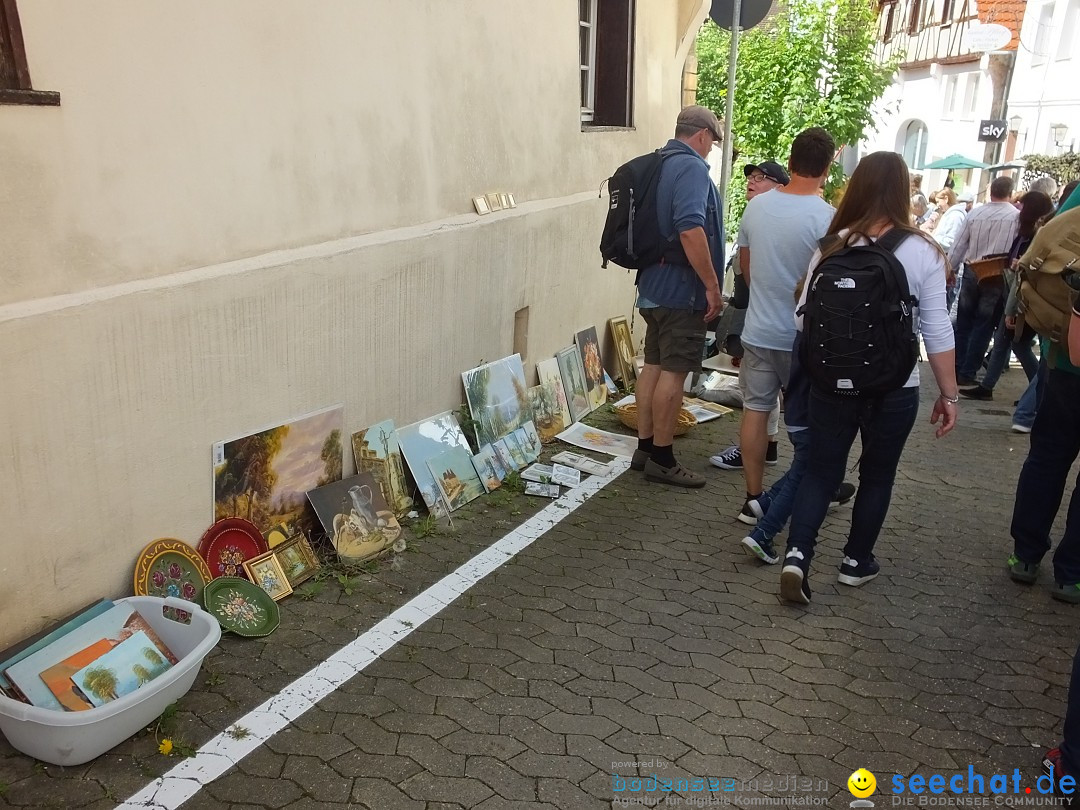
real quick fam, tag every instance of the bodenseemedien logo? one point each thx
(862, 784)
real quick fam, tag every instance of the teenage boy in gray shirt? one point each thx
(777, 236)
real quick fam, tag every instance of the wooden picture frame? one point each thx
(297, 560)
(266, 572)
(623, 342)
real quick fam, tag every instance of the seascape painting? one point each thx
(456, 477)
(498, 398)
(424, 440)
(489, 468)
(589, 348)
(356, 517)
(376, 451)
(547, 371)
(573, 375)
(265, 477)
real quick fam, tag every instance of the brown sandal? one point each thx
(677, 476)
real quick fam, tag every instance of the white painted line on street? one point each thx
(225, 750)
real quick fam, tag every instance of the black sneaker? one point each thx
(771, 454)
(794, 579)
(978, 392)
(730, 459)
(844, 493)
(754, 509)
(760, 546)
(855, 573)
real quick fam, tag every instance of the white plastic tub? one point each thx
(72, 738)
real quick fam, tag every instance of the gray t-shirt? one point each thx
(781, 231)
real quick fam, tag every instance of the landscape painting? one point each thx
(573, 375)
(530, 440)
(498, 398)
(356, 517)
(547, 415)
(376, 451)
(504, 456)
(426, 439)
(517, 452)
(548, 372)
(120, 671)
(589, 348)
(489, 468)
(265, 477)
(456, 477)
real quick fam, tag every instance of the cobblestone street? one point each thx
(635, 638)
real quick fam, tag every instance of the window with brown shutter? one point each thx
(15, 86)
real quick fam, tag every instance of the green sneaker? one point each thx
(1022, 571)
(1067, 593)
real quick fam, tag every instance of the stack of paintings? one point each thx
(425, 440)
(498, 398)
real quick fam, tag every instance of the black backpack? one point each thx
(858, 321)
(631, 237)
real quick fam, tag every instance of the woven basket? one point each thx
(988, 268)
(628, 416)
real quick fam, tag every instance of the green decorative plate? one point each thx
(241, 607)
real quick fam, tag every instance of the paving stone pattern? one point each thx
(637, 632)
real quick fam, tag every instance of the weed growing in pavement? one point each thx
(238, 732)
(425, 527)
(212, 678)
(4, 787)
(169, 743)
(309, 590)
(513, 483)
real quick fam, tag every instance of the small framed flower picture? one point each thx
(297, 559)
(266, 572)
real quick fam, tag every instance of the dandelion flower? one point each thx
(166, 746)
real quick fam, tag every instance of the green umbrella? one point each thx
(956, 161)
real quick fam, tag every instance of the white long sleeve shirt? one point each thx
(988, 230)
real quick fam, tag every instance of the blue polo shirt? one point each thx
(686, 198)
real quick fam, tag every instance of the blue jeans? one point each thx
(1005, 346)
(884, 424)
(1028, 405)
(1055, 443)
(977, 312)
(782, 493)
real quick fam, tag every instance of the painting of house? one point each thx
(376, 451)
(498, 398)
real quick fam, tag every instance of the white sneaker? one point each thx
(1020, 428)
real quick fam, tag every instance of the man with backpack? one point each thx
(679, 292)
(777, 236)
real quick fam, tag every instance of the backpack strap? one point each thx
(892, 238)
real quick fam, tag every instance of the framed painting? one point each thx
(266, 572)
(624, 349)
(481, 205)
(547, 371)
(297, 559)
(355, 516)
(589, 347)
(547, 413)
(573, 375)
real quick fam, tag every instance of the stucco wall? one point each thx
(244, 212)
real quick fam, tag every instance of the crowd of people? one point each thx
(960, 264)
(959, 261)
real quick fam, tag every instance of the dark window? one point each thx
(606, 43)
(946, 11)
(889, 10)
(915, 21)
(15, 87)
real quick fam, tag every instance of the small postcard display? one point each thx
(356, 517)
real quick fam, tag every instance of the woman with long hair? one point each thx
(1033, 207)
(877, 201)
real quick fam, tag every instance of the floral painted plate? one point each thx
(170, 567)
(241, 607)
(229, 542)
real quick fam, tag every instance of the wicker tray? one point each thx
(628, 416)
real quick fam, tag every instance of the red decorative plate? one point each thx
(229, 542)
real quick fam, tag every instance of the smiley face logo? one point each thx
(861, 783)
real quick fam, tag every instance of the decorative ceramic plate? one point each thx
(228, 543)
(170, 567)
(241, 607)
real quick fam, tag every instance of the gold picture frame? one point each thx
(297, 559)
(494, 201)
(266, 572)
(624, 348)
(481, 205)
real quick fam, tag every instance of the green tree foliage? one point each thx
(248, 472)
(811, 64)
(102, 682)
(1063, 168)
(142, 674)
(331, 458)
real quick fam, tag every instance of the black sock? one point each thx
(750, 497)
(645, 445)
(663, 455)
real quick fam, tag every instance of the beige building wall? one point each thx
(243, 212)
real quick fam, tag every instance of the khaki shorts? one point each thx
(674, 338)
(762, 374)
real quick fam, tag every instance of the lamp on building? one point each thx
(1014, 123)
(1058, 133)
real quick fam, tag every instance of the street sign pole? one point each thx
(729, 109)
